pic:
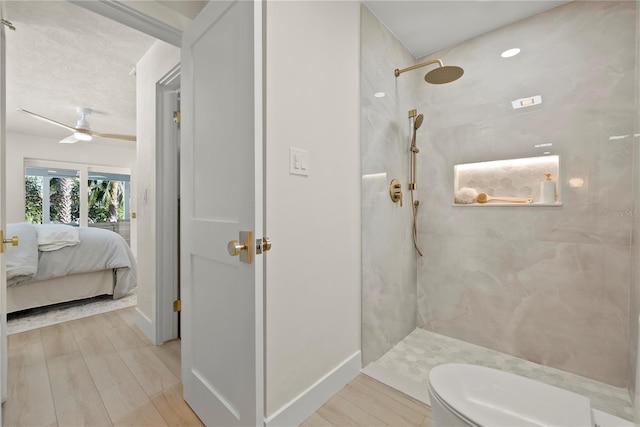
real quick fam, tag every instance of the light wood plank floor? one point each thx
(367, 402)
(103, 371)
(97, 371)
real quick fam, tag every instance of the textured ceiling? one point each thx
(428, 26)
(61, 57)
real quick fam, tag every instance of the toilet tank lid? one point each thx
(495, 398)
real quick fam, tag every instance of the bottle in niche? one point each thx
(548, 190)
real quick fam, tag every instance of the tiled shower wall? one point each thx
(547, 284)
(388, 261)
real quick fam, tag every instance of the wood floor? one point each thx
(103, 371)
(97, 371)
(367, 402)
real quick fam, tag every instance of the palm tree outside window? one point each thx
(53, 196)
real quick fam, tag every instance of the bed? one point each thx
(57, 263)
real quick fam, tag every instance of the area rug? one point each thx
(41, 317)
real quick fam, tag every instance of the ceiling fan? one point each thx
(82, 131)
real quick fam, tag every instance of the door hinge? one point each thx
(177, 117)
(177, 305)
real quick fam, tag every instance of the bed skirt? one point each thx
(61, 289)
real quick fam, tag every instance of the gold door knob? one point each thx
(235, 248)
(241, 247)
(13, 241)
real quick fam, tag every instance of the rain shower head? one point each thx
(445, 74)
(442, 74)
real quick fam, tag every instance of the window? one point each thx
(108, 199)
(52, 195)
(108, 202)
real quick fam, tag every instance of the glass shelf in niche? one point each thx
(518, 181)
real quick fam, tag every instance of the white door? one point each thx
(3, 199)
(221, 195)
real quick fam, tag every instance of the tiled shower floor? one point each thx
(406, 367)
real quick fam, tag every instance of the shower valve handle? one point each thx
(395, 191)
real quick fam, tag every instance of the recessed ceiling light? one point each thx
(379, 94)
(510, 52)
(616, 137)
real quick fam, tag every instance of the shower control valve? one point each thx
(395, 191)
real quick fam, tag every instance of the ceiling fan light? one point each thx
(68, 140)
(83, 136)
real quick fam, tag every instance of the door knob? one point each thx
(241, 247)
(234, 247)
(13, 240)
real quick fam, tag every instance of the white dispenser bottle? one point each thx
(548, 190)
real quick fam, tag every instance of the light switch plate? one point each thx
(298, 161)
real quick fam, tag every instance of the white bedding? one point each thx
(97, 250)
(52, 237)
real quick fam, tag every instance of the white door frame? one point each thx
(167, 214)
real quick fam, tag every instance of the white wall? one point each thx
(154, 65)
(20, 146)
(313, 272)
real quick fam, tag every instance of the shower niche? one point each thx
(530, 181)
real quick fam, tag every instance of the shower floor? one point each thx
(406, 368)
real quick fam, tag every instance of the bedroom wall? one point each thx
(22, 146)
(155, 64)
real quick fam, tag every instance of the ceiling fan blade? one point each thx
(69, 140)
(115, 136)
(46, 119)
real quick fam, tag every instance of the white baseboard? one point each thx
(310, 400)
(146, 326)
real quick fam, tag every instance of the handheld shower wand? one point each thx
(417, 122)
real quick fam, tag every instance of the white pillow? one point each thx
(52, 237)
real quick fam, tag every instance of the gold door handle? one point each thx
(242, 247)
(13, 240)
(235, 248)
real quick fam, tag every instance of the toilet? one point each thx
(465, 395)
